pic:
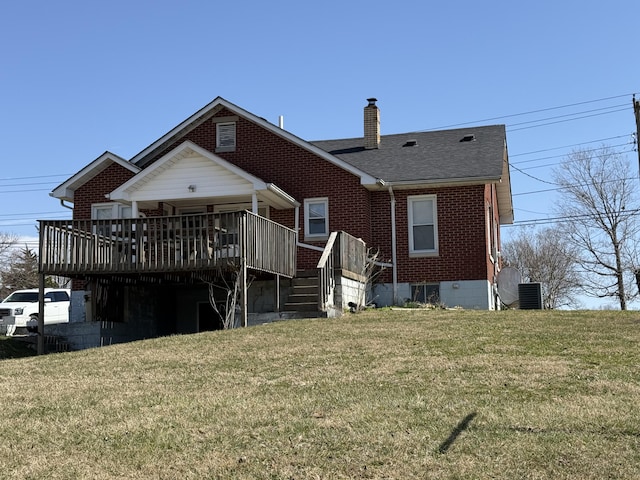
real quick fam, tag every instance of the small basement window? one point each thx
(428, 293)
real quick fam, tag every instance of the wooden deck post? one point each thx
(41, 314)
(243, 270)
(276, 304)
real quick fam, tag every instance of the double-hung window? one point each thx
(105, 212)
(316, 217)
(423, 224)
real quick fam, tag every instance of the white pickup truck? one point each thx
(20, 309)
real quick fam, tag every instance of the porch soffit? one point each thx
(191, 173)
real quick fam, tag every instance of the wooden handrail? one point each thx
(326, 282)
(164, 244)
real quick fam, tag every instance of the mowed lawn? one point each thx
(382, 394)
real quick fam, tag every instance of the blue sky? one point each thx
(81, 77)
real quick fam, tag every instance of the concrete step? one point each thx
(301, 306)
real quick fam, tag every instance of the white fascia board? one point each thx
(283, 198)
(445, 182)
(174, 131)
(124, 191)
(365, 178)
(505, 198)
(66, 190)
(503, 188)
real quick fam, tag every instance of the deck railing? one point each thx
(343, 253)
(166, 244)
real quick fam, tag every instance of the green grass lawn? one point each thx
(382, 394)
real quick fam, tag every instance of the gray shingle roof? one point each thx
(436, 156)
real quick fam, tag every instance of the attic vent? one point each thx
(468, 138)
(411, 143)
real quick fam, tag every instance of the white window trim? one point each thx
(307, 202)
(225, 148)
(116, 209)
(410, 201)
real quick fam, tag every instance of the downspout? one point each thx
(65, 206)
(393, 246)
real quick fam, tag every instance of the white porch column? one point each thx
(254, 203)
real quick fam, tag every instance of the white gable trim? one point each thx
(365, 178)
(66, 190)
(269, 192)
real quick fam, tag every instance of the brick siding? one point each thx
(461, 210)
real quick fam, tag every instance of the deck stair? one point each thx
(303, 295)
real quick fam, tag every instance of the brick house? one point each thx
(149, 233)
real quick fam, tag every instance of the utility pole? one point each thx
(636, 111)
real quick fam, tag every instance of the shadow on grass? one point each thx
(461, 427)
(14, 348)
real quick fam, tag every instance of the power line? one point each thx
(568, 218)
(26, 184)
(565, 154)
(531, 176)
(566, 146)
(563, 121)
(27, 190)
(531, 112)
(35, 176)
(569, 115)
(568, 186)
(30, 213)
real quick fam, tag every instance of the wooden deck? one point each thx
(166, 244)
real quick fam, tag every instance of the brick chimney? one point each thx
(371, 124)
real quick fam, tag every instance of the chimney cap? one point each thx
(372, 101)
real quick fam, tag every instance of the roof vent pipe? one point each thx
(281, 122)
(371, 125)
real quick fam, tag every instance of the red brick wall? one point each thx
(298, 172)
(94, 190)
(302, 174)
(461, 235)
(492, 198)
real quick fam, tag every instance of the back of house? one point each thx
(156, 240)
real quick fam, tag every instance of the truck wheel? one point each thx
(33, 318)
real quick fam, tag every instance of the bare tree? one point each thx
(226, 302)
(542, 256)
(370, 269)
(597, 202)
(7, 242)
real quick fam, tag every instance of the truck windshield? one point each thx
(21, 297)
